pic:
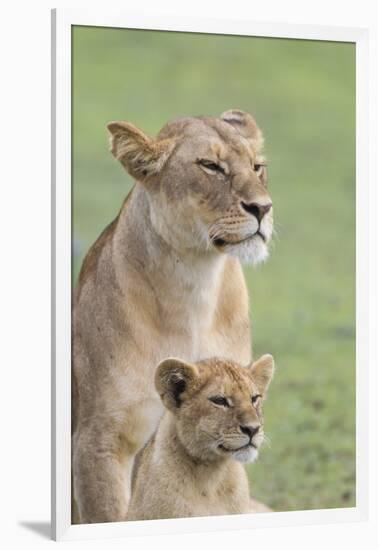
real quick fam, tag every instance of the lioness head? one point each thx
(217, 405)
(206, 180)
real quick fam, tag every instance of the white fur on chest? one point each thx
(193, 291)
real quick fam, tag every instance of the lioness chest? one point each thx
(143, 325)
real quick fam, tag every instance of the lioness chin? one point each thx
(163, 279)
(192, 465)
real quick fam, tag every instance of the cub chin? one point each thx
(213, 423)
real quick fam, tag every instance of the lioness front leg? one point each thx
(101, 476)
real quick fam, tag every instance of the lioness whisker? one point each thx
(266, 441)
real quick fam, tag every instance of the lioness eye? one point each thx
(210, 165)
(219, 400)
(257, 167)
(255, 398)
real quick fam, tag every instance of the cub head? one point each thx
(206, 179)
(217, 405)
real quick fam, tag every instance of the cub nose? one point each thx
(256, 209)
(250, 430)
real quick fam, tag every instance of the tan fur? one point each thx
(191, 466)
(157, 283)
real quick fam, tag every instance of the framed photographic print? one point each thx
(208, 179)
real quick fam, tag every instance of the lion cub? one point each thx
(192, 465)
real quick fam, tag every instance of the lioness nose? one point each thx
(250, 430)
(256, 209)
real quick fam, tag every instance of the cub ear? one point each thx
(139, 154)
(246, 125)
(173, 378)
(262, 372)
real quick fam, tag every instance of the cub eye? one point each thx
(219, 400)
(258, 166)
(255, 398)
(211, 165)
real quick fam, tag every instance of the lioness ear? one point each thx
(139, 154)
(246, 125)
(173, 377)
(262, 372)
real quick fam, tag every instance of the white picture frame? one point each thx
(62, 21)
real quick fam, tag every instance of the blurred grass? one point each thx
(303, 95)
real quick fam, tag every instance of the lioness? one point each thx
(163, 279)
(191, 466)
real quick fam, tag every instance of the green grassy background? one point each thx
(303, 95)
